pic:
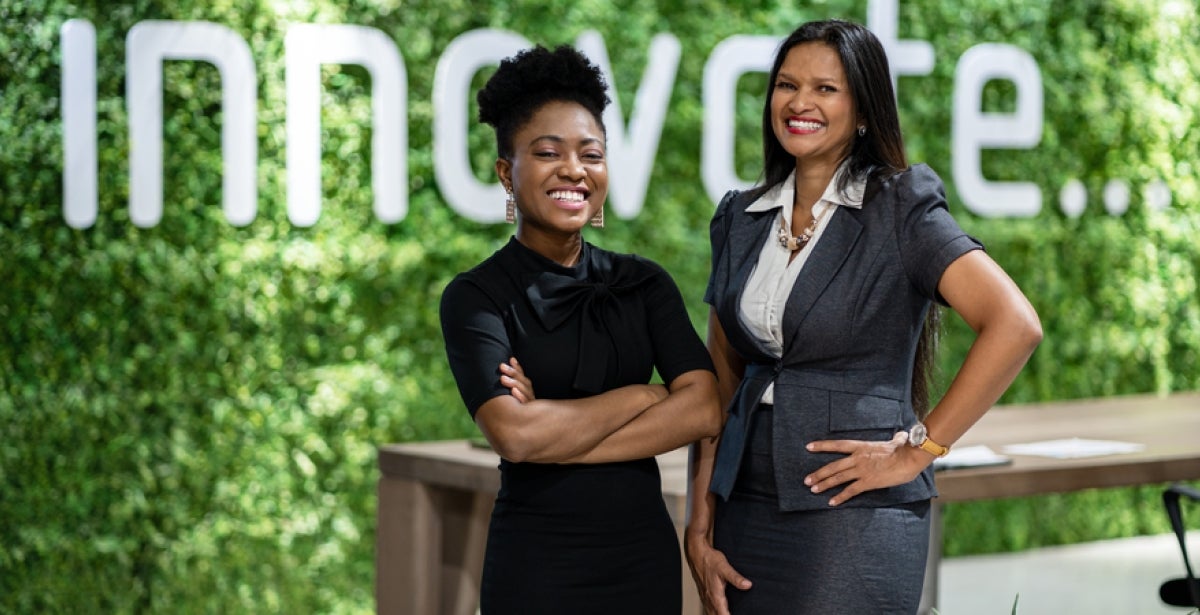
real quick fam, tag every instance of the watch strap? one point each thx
(933, 448)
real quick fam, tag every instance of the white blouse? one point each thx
(771, 281)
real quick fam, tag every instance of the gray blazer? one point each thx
(851, 326)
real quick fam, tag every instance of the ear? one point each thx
(504, 172)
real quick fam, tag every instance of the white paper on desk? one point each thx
(970, 457)
(1071, 448)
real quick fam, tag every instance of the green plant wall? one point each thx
(189, 412)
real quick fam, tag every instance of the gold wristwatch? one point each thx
(918, 436)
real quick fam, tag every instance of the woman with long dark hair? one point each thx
(823, 282)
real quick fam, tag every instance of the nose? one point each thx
(798, 102)
(572, 167)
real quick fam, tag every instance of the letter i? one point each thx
(79, 123)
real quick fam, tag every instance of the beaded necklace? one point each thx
(786, 240)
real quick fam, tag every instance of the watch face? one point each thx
(918, 434)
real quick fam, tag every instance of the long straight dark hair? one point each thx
(876, 155)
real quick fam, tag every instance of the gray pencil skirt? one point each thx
(832, 561)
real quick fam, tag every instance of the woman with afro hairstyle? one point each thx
(579, 524)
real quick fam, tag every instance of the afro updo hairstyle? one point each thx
(532, 78)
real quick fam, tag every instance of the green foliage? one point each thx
(189, 413)
(1117, 296)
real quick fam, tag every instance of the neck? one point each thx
(562, 249)
(811, 181)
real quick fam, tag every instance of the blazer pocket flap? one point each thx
(855, 412)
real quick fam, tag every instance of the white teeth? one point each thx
(804, 125)
(566, 195)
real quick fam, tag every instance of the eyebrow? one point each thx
(560, 140)
(820, 79)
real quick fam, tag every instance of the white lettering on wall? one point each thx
(631, 151)
(464, 56)
(307, 46)
(730, 59)
(973, 129)
(80, 196)
(147, 45)
(905, 57)
(633, 146)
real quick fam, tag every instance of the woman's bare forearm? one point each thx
(690, 412)
(700, 502)
(554, 430)
(730, 370)
(1008, 330)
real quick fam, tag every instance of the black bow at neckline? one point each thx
(596, 301)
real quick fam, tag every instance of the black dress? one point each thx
(573, 538)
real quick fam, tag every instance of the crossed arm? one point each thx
(631, 422)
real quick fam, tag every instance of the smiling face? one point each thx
(813, 114)
(557, 172)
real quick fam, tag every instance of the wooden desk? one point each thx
(435, 497)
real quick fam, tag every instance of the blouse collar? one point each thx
(784, 193)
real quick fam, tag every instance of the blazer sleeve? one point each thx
(929, 237)
(718, 236)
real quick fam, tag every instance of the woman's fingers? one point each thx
(866, 466)
(713, 574)
(512, 377)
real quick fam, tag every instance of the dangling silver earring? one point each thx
(510, 207)
(597, 220)
(862, 130)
